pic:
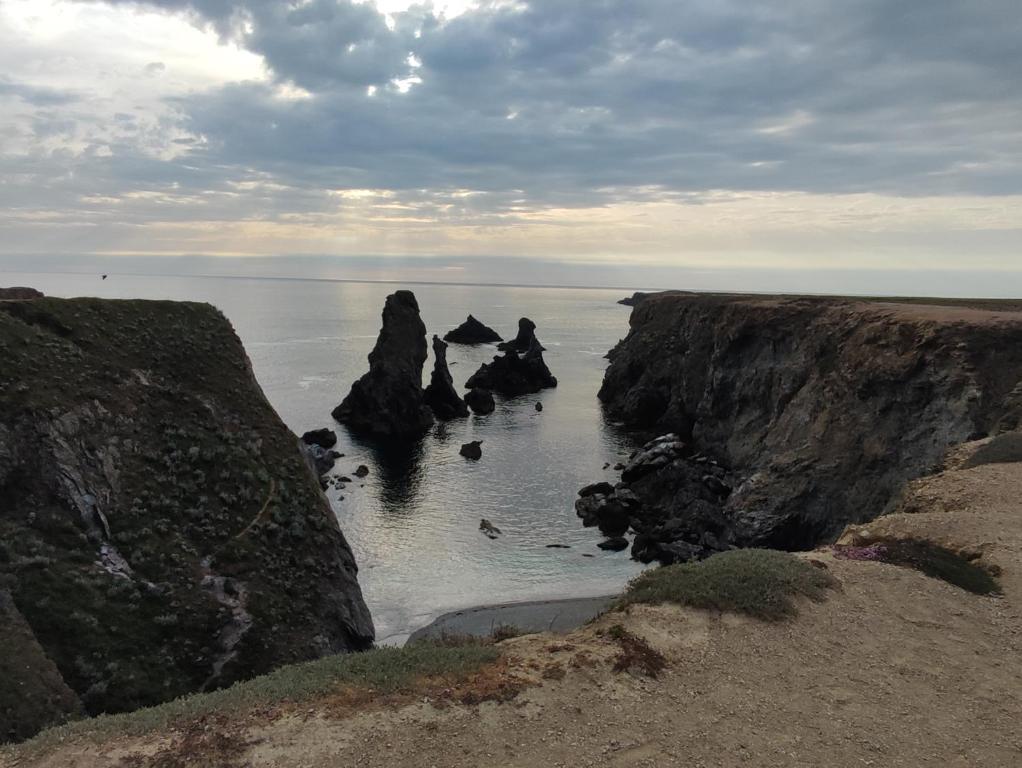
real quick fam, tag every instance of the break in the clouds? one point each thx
(790, 132)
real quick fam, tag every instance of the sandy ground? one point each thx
(894, 669)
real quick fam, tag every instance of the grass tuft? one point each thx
(758, 582)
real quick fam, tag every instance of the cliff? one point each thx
(160, 532)
(821, 409)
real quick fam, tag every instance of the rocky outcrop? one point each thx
(635, 298)
(160, 532)
(388, 401)
(440, 395)
(480, 401)
(512, 374)
(472, 450)
(821, 409)
(324, 438)
(525, 340)
(472, 332)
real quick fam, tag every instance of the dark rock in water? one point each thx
(19, 293)
(524, 340)
(558, 546)
(512, 374)
(615, 544)
(187, 544)
(361, 470)
(324, 438)
(320, 460)
(472, 450)
(472, 332)
(602, 487)
(539, 406)
(480, 401)
(440, 395)
(388, 401)
(489, 528)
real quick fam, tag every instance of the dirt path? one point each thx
(895, 669)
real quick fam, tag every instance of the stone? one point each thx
(440, 395)
(472, 450)
(361, 470)
(614, 544)
(489, 528)
(480, 401)
(324, 438)
(524, 340)
(602, 487)
(389, 401)
(472, 332)
(539, 406)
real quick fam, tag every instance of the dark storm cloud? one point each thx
(582, 102)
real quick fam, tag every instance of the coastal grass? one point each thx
(380, 671)
(761, 583)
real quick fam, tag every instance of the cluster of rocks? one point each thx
(521, 370)
(389, 401)
(670, 498)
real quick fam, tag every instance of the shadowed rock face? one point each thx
(472, 332)
(512, 374)
(160, 532)
(440, 395)
(388, 400)
(821, 409)
(480, 401)
(525, 340)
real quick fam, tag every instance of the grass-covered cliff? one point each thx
(160, 532)
(822, 407)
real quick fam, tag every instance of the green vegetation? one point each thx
(759, 582)
(924, 556)
(380, 671)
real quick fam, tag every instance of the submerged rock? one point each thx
(489, 528)
(512, 374)
(389, 401)
(524, 340)
(472, 450)
(472, 332)
(480, 401)
(440, 395)
(615, 544)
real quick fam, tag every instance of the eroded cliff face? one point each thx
(821, 408)
(160, 532)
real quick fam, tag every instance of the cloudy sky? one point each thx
(609, 141)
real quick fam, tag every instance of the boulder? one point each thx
(512, 374)
(602, 487)
(324, 438)
(361, 470)
(480, 401)
(472, 450)
(388, 401)
(524, 340)
(614, 544)
(472, 332)
(539, 406)
(440, 395)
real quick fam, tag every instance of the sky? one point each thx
(800, 144)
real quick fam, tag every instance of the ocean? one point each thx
(413, 522)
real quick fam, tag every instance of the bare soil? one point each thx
(893, 669)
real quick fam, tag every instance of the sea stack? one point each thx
(524, 340)
(472, 332)
(389, 401)
(512, 374)
(440, 395)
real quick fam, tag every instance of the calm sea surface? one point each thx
(414, 524)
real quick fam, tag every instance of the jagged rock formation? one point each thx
(480, 401)
(821, 408)
(160, 532)
(388, 400)
(512, 374)
(635, 298)
(324, 438)
(525, 340)
(440, 395)
(19, 293)
(472, 332)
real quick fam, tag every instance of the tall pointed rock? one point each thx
(388, 401)
(440, 394)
